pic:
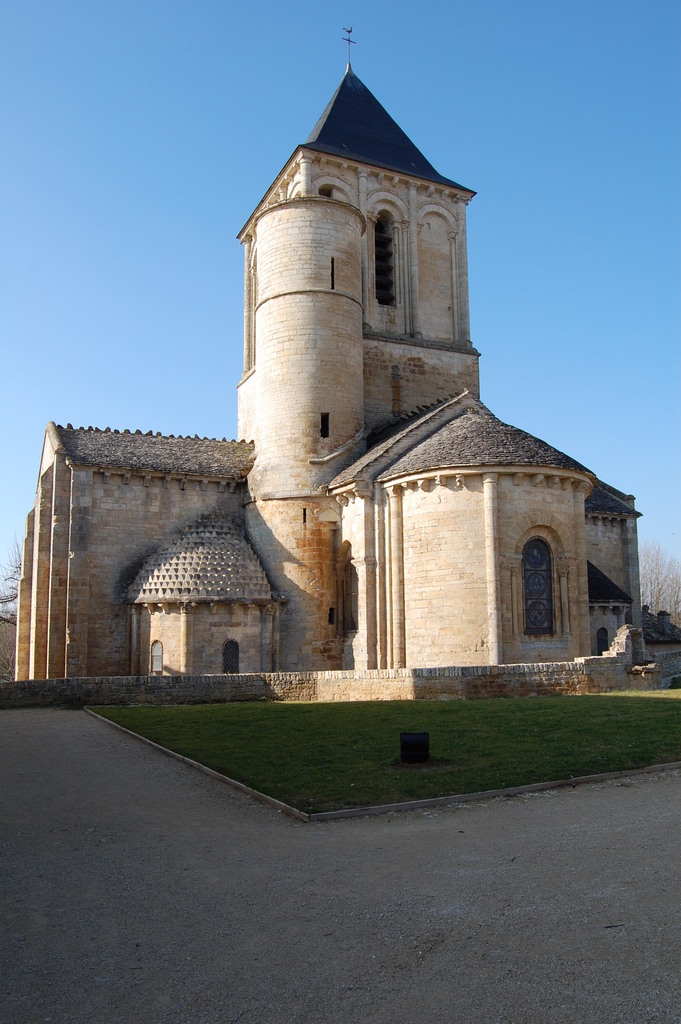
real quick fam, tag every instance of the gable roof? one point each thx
(354, 125)
(603, 589)
(194, 456)
(456, 434)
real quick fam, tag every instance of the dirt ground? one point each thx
(139, 891)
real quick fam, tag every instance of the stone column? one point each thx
(78, 586)
(462, 273)
(248, 305)
(59, 564)
(134, 619)
(515, 605)
(456, 325)
(563, 574)
(23, 642)
(580, 620)
(630, 544)
(369, 594)
(276, 638)
(266, 629)
(414, 263)
(397, 578)
(41, 577)
(490, 482)
(306, 175)
(364, 246)
(186, 639)
(381, 580)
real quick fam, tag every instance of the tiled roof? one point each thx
(472, 438)
(605, 500)
(653, 632)
(603, 589)
(356, 126)
(210, 560)
(155, 452)
(478, 438)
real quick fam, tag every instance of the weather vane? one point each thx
(349, 41)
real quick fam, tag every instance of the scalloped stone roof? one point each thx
(209, 560)
(199, 456)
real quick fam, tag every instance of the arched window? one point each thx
(383, 260)
(601, 641)
(230, 656)
(157, 658)
(538, 587)
(350, 593)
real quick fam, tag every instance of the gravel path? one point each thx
(137, 891)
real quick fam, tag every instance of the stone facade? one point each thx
(380, 518)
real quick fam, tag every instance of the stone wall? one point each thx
(585, 675)
(669, 663)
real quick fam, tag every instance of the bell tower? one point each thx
(356, 311)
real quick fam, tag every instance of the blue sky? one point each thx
(137, 138)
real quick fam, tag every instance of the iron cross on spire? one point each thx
(349, 41)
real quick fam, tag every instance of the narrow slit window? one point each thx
(332, 616)
(324, 425)
(304, 516)
(333, 274)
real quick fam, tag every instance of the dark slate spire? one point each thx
(356, 126)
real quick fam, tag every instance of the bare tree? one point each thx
(660, 581)
(10, 575)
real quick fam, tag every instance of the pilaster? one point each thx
(397, 578)
(490, 495)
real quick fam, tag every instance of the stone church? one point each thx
(380, 516)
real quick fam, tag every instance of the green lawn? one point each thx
(321, 757)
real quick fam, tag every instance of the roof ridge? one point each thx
(126, 432)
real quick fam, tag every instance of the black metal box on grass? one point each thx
(414, 746)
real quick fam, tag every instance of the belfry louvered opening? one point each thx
(384, 260)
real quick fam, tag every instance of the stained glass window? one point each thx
(538, 587)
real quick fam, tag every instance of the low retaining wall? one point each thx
(585, 675)
(669, 663)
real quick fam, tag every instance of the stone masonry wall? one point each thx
(586, 675)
